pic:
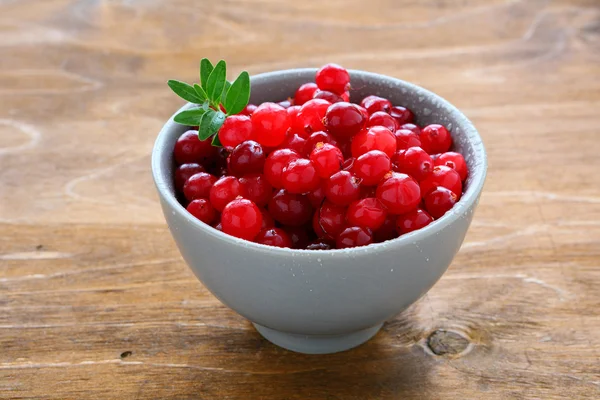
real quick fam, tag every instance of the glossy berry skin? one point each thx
(406, 138)
(257, 189)
(275, 163)
(439, 201)
(298, 236)
(329, 220)
(184, 172)
(387, 231)
(366, 213)
(435, 139)
(399, 193)
(413, 220)
(316, 197)
(249, 109)
(247, 158)
(402, 115)
(342, 188)
(203, 210)
(268, 221)
(235, 130)
(295, 127)
(327, 159)
(305, 93)
(241, 218)
(344, 120)
(381, 118)
(295, 142)
(316, 138)
(372, 166)
(416, 163)
(311, 114)
(273, 237)
(455, 161)
(375, 103)
(224, 191)
(354, 237)
(442, 176)
(270, 123)
(333, 78)
(327, 95)
(411, 127)
(374, 138)
(348, 164)
(300, 176)
(190, 149)
(290, 209)
(198, 186)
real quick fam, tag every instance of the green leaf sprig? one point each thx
(212, 95)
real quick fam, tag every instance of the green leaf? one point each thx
(216, 141)
(200, 92)
(238, 94)
(206, 68)
(190, 117)
(210, 124)
(225, 89)
(216, 82)
(186, 92)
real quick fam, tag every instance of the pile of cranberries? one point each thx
(318, 172)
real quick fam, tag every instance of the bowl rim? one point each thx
(467, 200)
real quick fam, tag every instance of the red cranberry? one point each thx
(416, 163)
(442, 176)
(247, 158)
(290, 209)
(364, 112)
(305, 93)
(294, 142)
(453, 160)
(311, 114)
(270, 122)
(402, 115)
(241, 218)
(435, 139)
(198, 186)
(190, 149)
(439, 201)
(387, 231)
(406, 138)
(374, 138)
(317, 196)
(372, 166)
(381, 118)
(275, 163)
(328, 96)
(354, 237)
(316, 138)
(346, 96)
(367, 213)
(273, 237)
(342, 188)
(346, 148)
(399, 193)
(332, 77)
(413, 220)
(224, 191)
(348, 164)
(344, 120)
(375, 103)
(298, 236)
(184, 172)
(327, 159)
(411, 127)
(295, 126)
(203, 210)
(300, 176)
(257, 189)
(267, 221)
(249, 109)
(235, 130)
(329, 220)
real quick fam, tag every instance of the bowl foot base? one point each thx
(317, 344)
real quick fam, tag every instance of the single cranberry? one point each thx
(344, 120)
(300, 176)
(387, 231)
(184, 172)
(397, 159)
(327, 159)
(311, 114)
(329, 220)
(295, 125)
(399, 193)
(439, 201)
(295, 142)
(247, 158)
(435, 139)
(342, 188)
(224, 191)
(453, 160)
(381, 118)
(235, 130)
(366, 213)
(332, 77)
(364, 112)
(270, 122)
(402, 115)
(241, 218)
(416, 163)
(354, 237)
(327, 95)
(317, 196)
(320, 244)
(346, 96)
(267, 221)
(274, 237)
(203, 210)
(372, 166)
(375, 103)
(249, 109)
(285, 104)
(442, 176)
(198, 186)
(406, 138)
(316, 138)
(257, 188)
(374, 138)
(413, 220)
(298, 236)
(190, 149)
(411, 127)
(275, 163)
(290, 209)
(305, 93)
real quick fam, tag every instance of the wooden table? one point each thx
(95, 300)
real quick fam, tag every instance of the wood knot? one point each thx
(443, 342)
(126, 354)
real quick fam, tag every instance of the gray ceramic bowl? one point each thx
(313, 301)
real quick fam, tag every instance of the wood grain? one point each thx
(95, 301)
